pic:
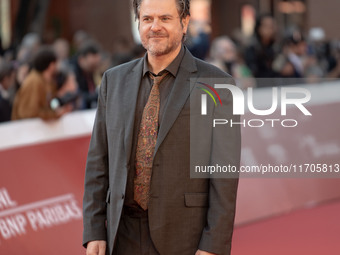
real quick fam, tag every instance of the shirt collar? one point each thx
(172, 68)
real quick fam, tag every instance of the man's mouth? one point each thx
(157, 36)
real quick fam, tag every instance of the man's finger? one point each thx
(88, 252)
(102, 249)
(92, 251)
(96, 248)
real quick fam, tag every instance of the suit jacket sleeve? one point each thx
(226, 146)
(96, 175)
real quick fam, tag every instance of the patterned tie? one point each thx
(146, 144)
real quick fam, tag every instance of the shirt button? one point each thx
(123, 196)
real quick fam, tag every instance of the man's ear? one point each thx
(185, 22)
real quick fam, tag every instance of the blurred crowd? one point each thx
(47, 81)
(274, 58)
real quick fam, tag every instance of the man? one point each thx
(86, 63)
(62, 49)
(139, 197)
(7, 79)
(38, 89)
(259, 55)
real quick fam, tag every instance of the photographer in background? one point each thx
(34, 96)
(85, 65)
(67, 90)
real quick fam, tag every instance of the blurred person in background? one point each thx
(260, 54)
(85, 64)
(224, 55)
(80, 38)
(7, 79)
(22, 70)
(320, 49)
(122, 53)
(297, 52)
(67, 89)
(291, 63)
(334, 71)
(66, 82)
(29, 46)
(104, 64)
(34, 96)
(62, 49)
(198, 41)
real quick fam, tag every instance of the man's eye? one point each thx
(165, 19)
(146, 19)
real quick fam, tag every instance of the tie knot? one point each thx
(158, 78)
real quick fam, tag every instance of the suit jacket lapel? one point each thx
(178, 96)
(130, 95)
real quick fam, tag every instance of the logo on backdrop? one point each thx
(17, 220)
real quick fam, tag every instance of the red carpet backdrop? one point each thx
(42, 172)
(41, 186)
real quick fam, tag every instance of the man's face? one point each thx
(53, 68)
(90, 62)
(160, 26)
(227, 50)
(8, 81)
(268, 28)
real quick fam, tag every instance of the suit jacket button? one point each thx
(123, 196)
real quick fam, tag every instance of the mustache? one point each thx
(157, 34)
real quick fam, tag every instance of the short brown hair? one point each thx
(183, 7)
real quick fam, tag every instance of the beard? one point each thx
(162, 46)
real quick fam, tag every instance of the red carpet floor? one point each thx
(313, 231)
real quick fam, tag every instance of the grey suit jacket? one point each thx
(184, 214)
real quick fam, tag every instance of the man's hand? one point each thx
(199, 252)
(64, 109)
(96, 248)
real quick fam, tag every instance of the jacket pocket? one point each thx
(196, 199)
(108, 196)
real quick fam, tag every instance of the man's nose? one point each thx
(156, 26)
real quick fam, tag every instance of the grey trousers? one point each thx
(133, 237)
